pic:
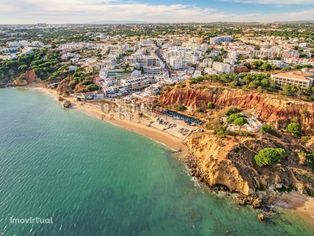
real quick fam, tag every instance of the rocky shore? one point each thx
(227, 165)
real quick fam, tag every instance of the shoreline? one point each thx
(172, 143)
(300, 205)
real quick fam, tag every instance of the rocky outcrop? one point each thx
(209, 163)
(25, 79)
(30, 76)
(19, 82)
(67, 104)
(63, 87)
(230, 163)
(269, 108)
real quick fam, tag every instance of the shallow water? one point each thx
(96, 179)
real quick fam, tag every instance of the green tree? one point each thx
(23, 67)
(267, 129)
(240, 121)
(269, 156)
(233, 117)
(265, 83)
(221, 131)
(201, 109)
(290, 90)
(210, 105)
(295, 129)
(232, 110)
(180, 108)
(93, 87)
(310, 159)
(254, 84)
(266, 67)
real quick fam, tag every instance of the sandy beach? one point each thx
(142, 128)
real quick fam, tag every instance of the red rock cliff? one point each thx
(268, 108)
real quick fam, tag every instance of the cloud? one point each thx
(80, 11)
(4, 8)
(287, 16)
(273, 2)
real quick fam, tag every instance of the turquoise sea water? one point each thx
(96, 179)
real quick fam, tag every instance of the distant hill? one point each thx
(295, 22)
(114, 22)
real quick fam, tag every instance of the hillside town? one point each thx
(139, 66)
(142, 67)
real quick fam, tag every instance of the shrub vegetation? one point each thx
(269, 156)
(295, 129)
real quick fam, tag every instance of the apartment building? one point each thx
(144, 61)
(137, 84)
(297, 78)
(152, 70)
(177, 63)
(106, 73)
(222, 67)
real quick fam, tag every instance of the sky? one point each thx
(153, 11)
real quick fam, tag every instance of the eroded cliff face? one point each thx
(209, 162)
(30, 76)
(25, 79)
(230, 163)
(268, 108)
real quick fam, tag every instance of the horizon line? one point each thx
(164, 23)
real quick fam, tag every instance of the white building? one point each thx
(220, 39)
(297, 78)
(137, 84)
(177, 63)
(278, 63)
(150, 64)
(106, 73)
(222, 67)
(197, 73)
(152, 70)
(207, 63)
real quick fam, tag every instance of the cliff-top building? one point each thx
(303, 79)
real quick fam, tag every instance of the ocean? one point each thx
(92, 178)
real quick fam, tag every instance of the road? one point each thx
(164, 61)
